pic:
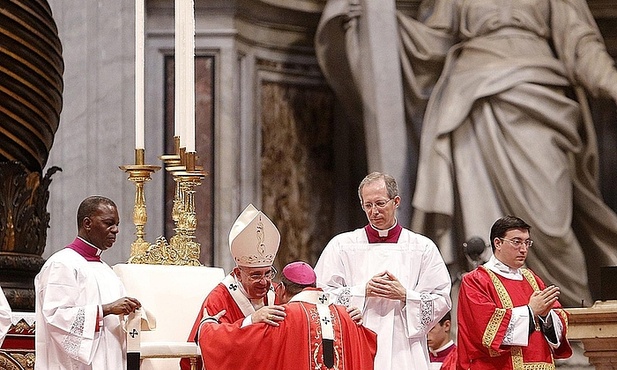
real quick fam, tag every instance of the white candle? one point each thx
(139, 73)
(179, 74)
(190, 80)
(185, 74)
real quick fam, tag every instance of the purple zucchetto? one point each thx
(300, 273)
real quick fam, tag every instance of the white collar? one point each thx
(502, 269)
(384, 233)
(97, 250)
(445, 346)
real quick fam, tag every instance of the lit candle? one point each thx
(139, 73)
(184, 115)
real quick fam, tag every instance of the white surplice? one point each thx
(70, 291)
(348, 262)
(5, 316)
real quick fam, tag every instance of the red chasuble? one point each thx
(296, 344)
(483, 317)
(220, 298)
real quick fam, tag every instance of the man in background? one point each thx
(442, 350)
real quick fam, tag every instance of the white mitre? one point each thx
(253, 239)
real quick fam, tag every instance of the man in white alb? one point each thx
(398, 277)
(79, 299)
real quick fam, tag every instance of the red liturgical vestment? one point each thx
(485, 312)
(298, 343)
(225, 296)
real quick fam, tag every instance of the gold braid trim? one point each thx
(493, 326)
(491, 330)
(534, 285)
(504, 297)
(516, 351)
(532, 280)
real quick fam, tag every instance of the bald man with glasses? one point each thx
(507, 317)
(246, 294)
(396, 276)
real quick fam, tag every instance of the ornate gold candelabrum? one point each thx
(186, 219)
(139, 173)
(182, 249)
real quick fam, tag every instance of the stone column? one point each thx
(31, 68)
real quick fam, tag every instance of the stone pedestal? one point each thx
(596, 328)
(23, 230)
(17, 351)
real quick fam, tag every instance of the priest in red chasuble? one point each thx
(246, 294)
(315, 334)
(507, 317)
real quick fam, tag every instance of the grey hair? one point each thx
(391, 185)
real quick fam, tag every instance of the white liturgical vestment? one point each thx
(70, 291)
(5, 316)
(349, 261)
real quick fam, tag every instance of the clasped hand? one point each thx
(386, 285)
(542, 301)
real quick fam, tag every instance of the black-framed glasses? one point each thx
(380, 204)
(519, 243)
(256, 276)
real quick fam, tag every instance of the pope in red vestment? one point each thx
(507, 317)
(225, 296)
(314, 335)
(246, 294)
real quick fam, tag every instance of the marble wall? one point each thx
(95, 135)
(280, 141)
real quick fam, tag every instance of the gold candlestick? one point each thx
(182, 249)
(186, 181)
(139, 173)
(172, 160)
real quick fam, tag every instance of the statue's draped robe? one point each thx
(506, 129)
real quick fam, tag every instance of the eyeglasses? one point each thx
(255, 277)
(518, 243)
(380, 204)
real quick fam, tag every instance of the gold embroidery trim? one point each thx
(532, 280)
(516, 351)
(491, 330)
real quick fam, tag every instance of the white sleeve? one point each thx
(517, 333)
(69, 324)
(332, 278)
(430, 300)
(552, 323)
(5, 316)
